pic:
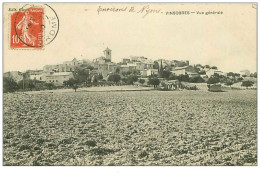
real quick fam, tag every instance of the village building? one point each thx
(138, 58)
(93, 73)
(192, 74)
(15, 75)
(107, 68)
(170, 85)
(57, 78)
(204, 76)
(245, 73)
(149, 72)
(36, 76)
(67, 66)
(132, 66)
(148, 65)
(210, 72)
(49, 68)
(125, 61)
(139, 66)
(220, 73)
(124, 69)
(104, 64)
(182, 63)
(185, 70)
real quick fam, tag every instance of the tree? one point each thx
(214, 67)
(31, 84)
(87, 66)
(95, 80)
(247, 84)
(202, 72)
(166, 74)
(230, 74)
(129, 80)
(141, 81)
(253, 75)
(124, 79)
(229, 83)
(100, 77)
(81, 75)
(172, 77)
(198, 79)
(128, 73)
(196, 69)
(154, 81)
(27, 84)
(240, 79)
(73, 83)
(9, 85)
(184, 78)
(114, 78)
(136, 72)
(50, 86)
(117, 70)
(213, 80)
(134, 78)
(90, 67)
(124, 73)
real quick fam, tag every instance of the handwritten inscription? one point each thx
(146, 10)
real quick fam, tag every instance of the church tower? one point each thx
(107, 54)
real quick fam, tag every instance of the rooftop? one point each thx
(107, 49)
(180, 68)
(60, 73)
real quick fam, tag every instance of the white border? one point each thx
(154, 174)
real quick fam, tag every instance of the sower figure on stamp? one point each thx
(25, 24)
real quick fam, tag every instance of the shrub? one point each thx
(73, 83)
(229, 83)
(166, 74)
(154, 81)
(184, 78)
(141, 81)
(9, 85)
(247, 84)
(91, 143)
(191, 87)
(114, 78)
(213, 80)
(198, 79)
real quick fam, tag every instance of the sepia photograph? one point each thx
(129, 84)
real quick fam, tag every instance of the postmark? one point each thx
(33, 27)
(51, 26)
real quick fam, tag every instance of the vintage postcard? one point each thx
(130, 84)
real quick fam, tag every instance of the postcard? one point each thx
(130, 84)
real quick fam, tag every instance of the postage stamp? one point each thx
(27, 28)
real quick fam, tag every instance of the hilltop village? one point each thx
(103, 70)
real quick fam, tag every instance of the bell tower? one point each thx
(107, 54)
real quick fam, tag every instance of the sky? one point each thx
(226, 40)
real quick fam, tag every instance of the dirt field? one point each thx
(131, 128)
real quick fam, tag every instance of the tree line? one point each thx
(81, 78)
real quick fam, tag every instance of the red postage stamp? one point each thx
(27, 28)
